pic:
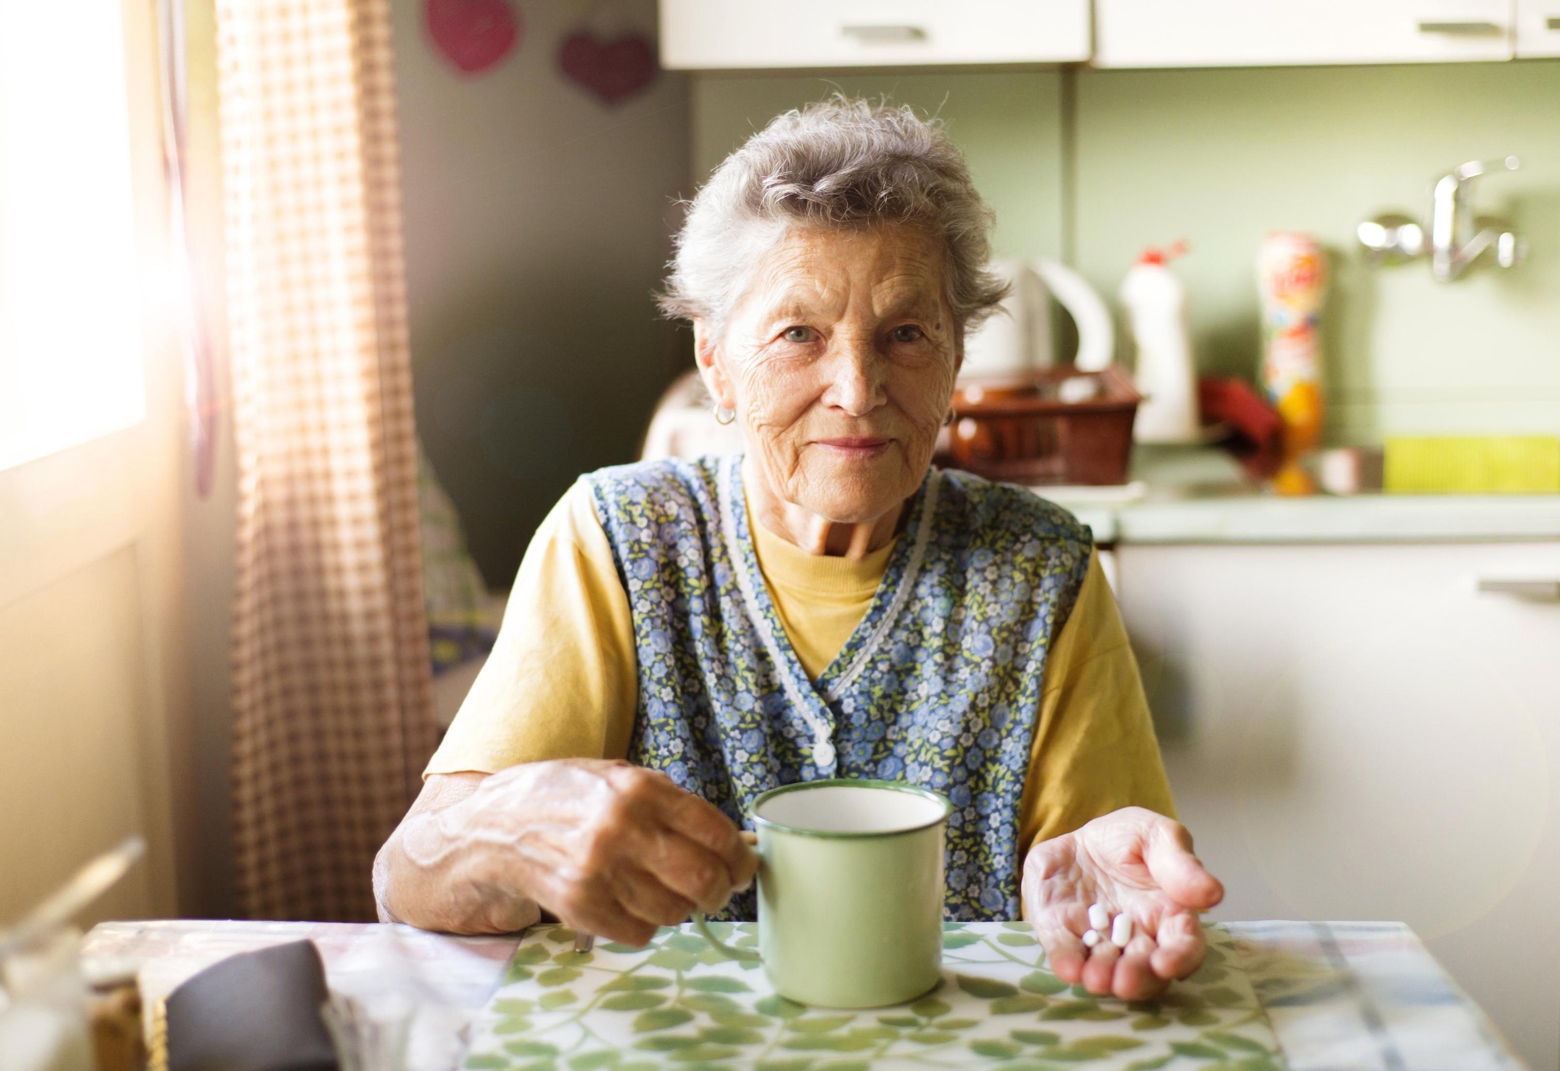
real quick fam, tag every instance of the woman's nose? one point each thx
(856, 377)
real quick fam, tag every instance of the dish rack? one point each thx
(1050, 426)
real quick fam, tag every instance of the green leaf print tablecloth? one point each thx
(678, 1002)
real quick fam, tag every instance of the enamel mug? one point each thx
(850, 891)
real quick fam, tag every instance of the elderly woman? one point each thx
(684, 635)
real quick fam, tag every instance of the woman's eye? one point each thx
(907, 333)
(799, 334)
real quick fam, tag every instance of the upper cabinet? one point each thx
(1538, 28)
(774, 34)
(854, 34)
(1263, 33)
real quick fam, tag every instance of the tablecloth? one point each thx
(1339, 996)
(681, 1001)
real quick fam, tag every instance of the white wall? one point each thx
(537, 223)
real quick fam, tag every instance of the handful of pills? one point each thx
(1103, 928)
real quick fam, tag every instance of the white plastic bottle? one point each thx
(1163, 369)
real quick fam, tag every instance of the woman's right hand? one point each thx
(610, 848)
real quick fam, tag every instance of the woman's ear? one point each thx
(711, 369)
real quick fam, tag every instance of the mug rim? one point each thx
(849, 782)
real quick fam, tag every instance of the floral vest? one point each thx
(939, 685)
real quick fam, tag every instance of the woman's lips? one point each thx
(857, 446)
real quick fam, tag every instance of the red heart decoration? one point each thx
(610, 69)
(475, 34)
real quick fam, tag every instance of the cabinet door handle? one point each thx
(1521, 587)
(884, 33)
(1460, 28)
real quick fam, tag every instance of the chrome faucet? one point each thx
(1458, 237)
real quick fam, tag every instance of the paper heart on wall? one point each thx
(612, 70)
(474, 34)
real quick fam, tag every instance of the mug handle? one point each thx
(743, 955)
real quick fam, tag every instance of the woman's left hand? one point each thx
(1134, 862)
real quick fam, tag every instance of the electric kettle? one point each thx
(1017, 342)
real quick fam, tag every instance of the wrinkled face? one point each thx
(839, 360)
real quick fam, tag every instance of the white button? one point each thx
(823, 754)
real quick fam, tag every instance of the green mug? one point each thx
(850, 892)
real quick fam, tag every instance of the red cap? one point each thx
(1155, 255)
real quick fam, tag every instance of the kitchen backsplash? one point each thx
(1094, 165)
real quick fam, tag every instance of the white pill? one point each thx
(1091, 938)
(1099, 918)
(1121, 931)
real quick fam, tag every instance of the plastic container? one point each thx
(1291, 284)
(1163, 368)
(1053, 426)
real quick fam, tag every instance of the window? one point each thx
(71, 365)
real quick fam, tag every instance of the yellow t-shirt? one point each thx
(562, 681)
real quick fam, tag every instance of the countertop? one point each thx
(1200, 495)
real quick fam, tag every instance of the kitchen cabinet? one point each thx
(774, 34)
(1537, 28)
(1259, 33)
(1360, 732)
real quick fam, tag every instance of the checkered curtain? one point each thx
(332, 704)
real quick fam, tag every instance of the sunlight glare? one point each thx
(70, 328)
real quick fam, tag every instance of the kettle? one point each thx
(1018, 343)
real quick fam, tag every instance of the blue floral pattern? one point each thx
(938, 685)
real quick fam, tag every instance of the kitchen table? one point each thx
(1338, 995)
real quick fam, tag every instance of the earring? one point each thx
(724, 416)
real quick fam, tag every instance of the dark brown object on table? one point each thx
(254, 1011)
(1021, 430)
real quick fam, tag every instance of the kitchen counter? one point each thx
(1200, 495)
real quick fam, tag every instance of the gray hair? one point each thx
(839, 163)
